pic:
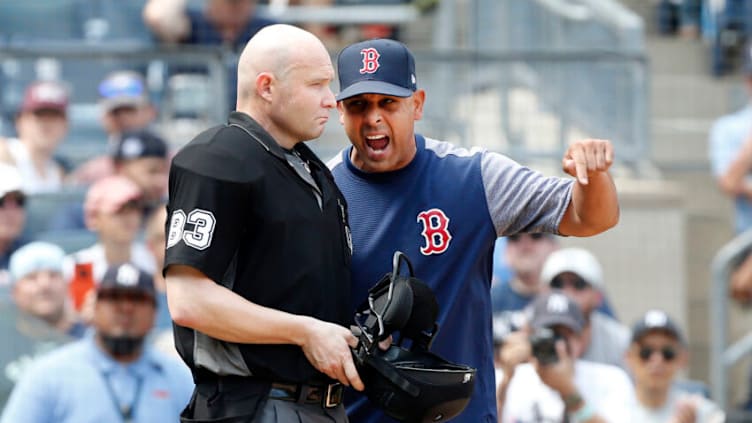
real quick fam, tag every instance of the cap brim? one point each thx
(124, 101)
(373, 87)
(548, 321)
(640, 333)
(55, 107)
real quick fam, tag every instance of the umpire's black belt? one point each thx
(329, 396)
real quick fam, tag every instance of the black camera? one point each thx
(543, 343)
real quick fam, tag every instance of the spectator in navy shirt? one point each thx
(229, 23)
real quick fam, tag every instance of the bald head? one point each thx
(284, 75)
(275, 49)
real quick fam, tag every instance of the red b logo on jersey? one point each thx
(370, 60)
(435, 231)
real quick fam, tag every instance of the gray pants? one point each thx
(277, 411)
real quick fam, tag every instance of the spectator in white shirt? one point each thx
(41, 125)
(555, 385)
(655, 356)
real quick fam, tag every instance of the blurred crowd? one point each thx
(724, 25)
(559, 344)
(82, 246)
(83, 307)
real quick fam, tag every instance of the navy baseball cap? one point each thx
(127, 277)
(378, 66)
(556, 308)
(658, 321)
(138, 144)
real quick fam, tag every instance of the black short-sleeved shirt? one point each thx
(240, 213)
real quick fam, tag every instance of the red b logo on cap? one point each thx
(370, 60)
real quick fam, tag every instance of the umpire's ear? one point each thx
(419, 98)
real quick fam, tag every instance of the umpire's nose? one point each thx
(329, 101)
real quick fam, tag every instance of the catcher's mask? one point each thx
(409, 383)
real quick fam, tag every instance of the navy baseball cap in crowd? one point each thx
(138, 144)
(656, 321)
(378, 66)
(127, 277)
(555, 308)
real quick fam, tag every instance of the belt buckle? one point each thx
(333, 396)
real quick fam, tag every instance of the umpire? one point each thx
(258, 247)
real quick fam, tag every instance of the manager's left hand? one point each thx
(586, 157)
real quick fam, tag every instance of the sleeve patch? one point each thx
(195, 229)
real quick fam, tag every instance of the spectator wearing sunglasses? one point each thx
(577, 273)
(655, 356)
(12, 220)
(554, 385)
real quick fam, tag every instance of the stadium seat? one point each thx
(42, 208)
(34, 20)
(70, 240)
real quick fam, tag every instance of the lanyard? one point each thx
(126, 411)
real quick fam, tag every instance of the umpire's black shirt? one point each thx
(244, 215)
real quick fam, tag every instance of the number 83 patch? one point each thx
(195, 229)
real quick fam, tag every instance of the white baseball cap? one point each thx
(575, 260)
(10, 179)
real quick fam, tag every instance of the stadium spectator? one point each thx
(125, 106)
(525, 255)
(154, 238)
(39, 289)
(657, 353)
(221, 22)
(41, 125)
(114, 210)
(140, 156)
(112, 375)
(39, 318)
(682, 16)
(12, 218)
(228, 23)
(557, 385)
(578, 274)
(730, 150)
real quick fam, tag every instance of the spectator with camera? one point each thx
(556, 384)
(577, 273)
(658, 351)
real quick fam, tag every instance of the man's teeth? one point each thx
(377, 142)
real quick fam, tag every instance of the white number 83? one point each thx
(199, 237)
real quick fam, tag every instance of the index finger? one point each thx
(352, 374)
(580, 165)
(609, 153)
